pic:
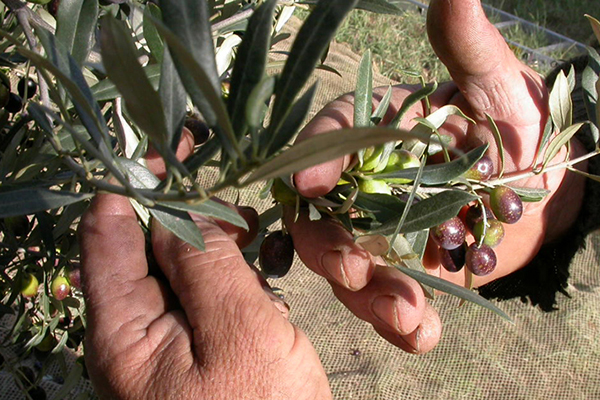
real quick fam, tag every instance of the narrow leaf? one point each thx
(312, 40)
(406, 255)
(106, 90)
(256, 104)
(410, 101)
(439, 174)
(325, 147)
(32, 200)
(292, 122)
(75, 27)
(120, 60)
(153, 39)
(363, 95)
(173, 96)
(209, 208)
(559, 141)
(453, 289)
(595, 26)
(178, 222)
(561, 107)
(429, 212)
(250, 63)
(531, 195)
(498, 139)
(382, 107)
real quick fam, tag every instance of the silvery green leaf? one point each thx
(75, 27)
(177, 221)
(453, 289)
(363, 95)
(106, 90)
(250, 63)
(313, 213)
(255, 107)
(153, 39)
(31, 200)
(405, 254)
(310, 43)
(173, 96)
(561, 106)
(143, 103)
(209, 208)
(325, 147)
(429, 212)
(559, 141)
(589, 80)
(595, 26)
(530, 194)
(498, 139)
(410, 101)
(439, 174)
(418, 241)
(382, 107)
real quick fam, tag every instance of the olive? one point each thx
(450, 234)
(276, 254)
(506, 204)
(15, 103)
(481, 260)
(26, 86)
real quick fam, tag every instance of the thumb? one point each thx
(485, 69)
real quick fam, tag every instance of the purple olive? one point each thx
(482, 170)
(506, 204)
(450, 234)
(480, 260)
(276, 254)
(453, 260)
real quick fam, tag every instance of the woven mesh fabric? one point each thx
(539, 356)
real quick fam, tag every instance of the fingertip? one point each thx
(242, 237)
(155, 162)
(320, 179)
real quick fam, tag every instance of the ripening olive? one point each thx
(494, 232)
(29, 285)
(506, 204)
(480, 260)
(482, 170)
(60, 288)
(450, 234)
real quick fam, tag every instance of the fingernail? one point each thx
(384, 308)
(278, 302)
(417, 340)
(334, 267)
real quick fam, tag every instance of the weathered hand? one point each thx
(487, 79)
(210, 329)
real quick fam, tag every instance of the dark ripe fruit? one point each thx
(15, 103)
(494, 232)
(53, 7)
(29, 84)
(480, 260)
(199, 129)
(4, 95)
(474, 215)
(60, 288)
(450, 234)
(75, 277)
(37, 393)
(276, 254)
(453, 260)
(506, 204)
(482, 170)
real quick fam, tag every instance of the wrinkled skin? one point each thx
(211, 328)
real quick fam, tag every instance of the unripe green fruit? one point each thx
(506, 204)
(494, 233)
(399, 160)
(46, 344)
(371, 158)
(374, 186)
(60, 288)
(29, 286)
(282, 193)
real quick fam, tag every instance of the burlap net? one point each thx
(541, 356)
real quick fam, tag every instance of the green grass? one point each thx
(400, 43)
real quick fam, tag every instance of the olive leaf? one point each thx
(208, 208)
(595, 25)
(256, 104)
(310, 43)
(177, 221)
(75, 27)
(589, 82)
(530, 195)
(382, 107)
(405, 254)
(410, 101)
(173, 96)
(453, 289)
(428, 212)
(498, 139)
(31, 200)
(396, 7)
(559, 141)
(439, 174)
(106, 90)
(250, 63)
(153, 39)
(561, 106)
(324, 147)
(363, 94)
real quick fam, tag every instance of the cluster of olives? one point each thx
(485, 224)
(13, 102)
(373, 162)
(60, 287)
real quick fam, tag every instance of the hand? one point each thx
(487, 79)
(212, 329)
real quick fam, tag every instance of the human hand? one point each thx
(210, 329)
(487, 79)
